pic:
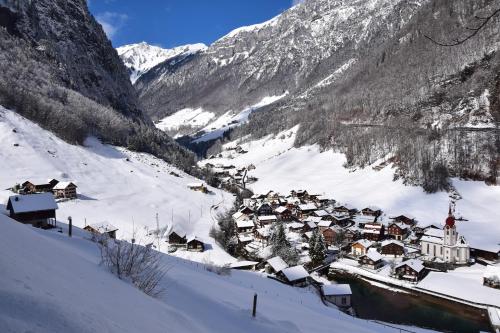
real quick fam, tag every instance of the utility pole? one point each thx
(158, 231)
(70, 229)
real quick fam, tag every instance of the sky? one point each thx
(170, 23)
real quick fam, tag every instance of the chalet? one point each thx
(307, 235)
(245, 238)
(372, 259)
(338, 294)
(271, 195)
(301, 194)
(30, 187)
(309, 226)
(263, 234)
(360, 247)
(295, 276)
(486, 253)
(346, 209)
(102, 228)
(392, 247)
(264, 209)
(373, 231)
(341, 219)
(304, 210)
(324, 224)
(352, 234)
(195, 244)
(371, 211)
(322, 213)
(244, 226)
(246, 210)
(322, 200)
(244, 265)
(177, 236)
(295, 226)
(239, 216)
(331, 234)
(266, 219)
(491, 276)
(66, 190)
(406, 219)
(398, 231)
(38, 210)
(411, 270)
(283, 213)
(198, 187)
(275, 265)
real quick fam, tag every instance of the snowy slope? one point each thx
(51, 283)
(141, 57)
(281, 167)
(128, 194)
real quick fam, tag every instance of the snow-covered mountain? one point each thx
(356, 64)
(141, 57)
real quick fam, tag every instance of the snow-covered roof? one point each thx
(264, 232)
(373, 255)
(430, 239)
(336, 289)
(295, 225)
(321, 212)
(364, 243)
(267, 218)
(402, 226)
(491, 272)
(391, 241)
(415, 264)
(434, 233)
(324, 223)
(314, 219)
(244, 224)
(195, 185)
(295, 273)
(177, 229)
(311, 225)
(281, 209)
(373, 208)
(238, 215)
(32, 202)
(277, 264)
(63, 185)
(308, 206)
(103, 227)
(193, 237)
(245, 237)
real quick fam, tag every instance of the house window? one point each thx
(427, 247)
(441, 250)
(344, 300)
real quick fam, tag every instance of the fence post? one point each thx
(70, 229)
(254, 305)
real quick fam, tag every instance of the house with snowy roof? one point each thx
(398, 230)
(65, 190)
(296, 276)
(283, 213)
(102, 228)
(194, 243)
(392, 247)
(275, 265)
(373, 231)
(244, 226)
(411, 270)
(176, 236)
(360, 247)
(38, 186)
(371, 259)
(371, 211)
(445, 245)
(304, 210)
(38, 210)
(338, 294)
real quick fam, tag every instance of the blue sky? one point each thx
(171, 23)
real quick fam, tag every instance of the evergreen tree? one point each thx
(280, 246)
(317, 248)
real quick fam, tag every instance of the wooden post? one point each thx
(70, 229)
(254, 305)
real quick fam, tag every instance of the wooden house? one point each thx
(392, 247)
(406, 219)
(360, 247)
(245, 226)
(324, 224)
(245, 238)
(295, 276)
(38, 210)
(102, 228)
(263, 234)
(283, 213)
(65, 190)
(372, 259)
(341, 219)
(246, 210)
(410, 270)
(352, 234)
(304, 210)
(323, 214)
(31, 187)
(398, 231)
(264, 220)
(338, 294)
(195, 244)
(275, 265)
(309, 226)
(371, 211)
(264, 209)
(373, 231)
(176, 236)
(295, 226)
(346, 209)
(330, 235)
(491, 276)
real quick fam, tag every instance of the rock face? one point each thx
(359, 75)
(141, 57)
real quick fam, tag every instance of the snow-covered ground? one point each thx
(53, 283)
(280, 167)
(186, 117)
(127, 194)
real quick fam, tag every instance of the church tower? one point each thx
(450, 230)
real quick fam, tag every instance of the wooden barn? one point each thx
(410, 270)
(38, 210)
(102, 228)
(177, 237)
(392, 247)
(195, 244)
(338, 294)
(66, 190)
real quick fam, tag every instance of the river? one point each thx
(371, 302)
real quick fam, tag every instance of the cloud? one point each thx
(111, 22)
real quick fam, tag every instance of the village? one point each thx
(394, 250)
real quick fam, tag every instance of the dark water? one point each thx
(424, 311)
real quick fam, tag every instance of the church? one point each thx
(445, 245)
